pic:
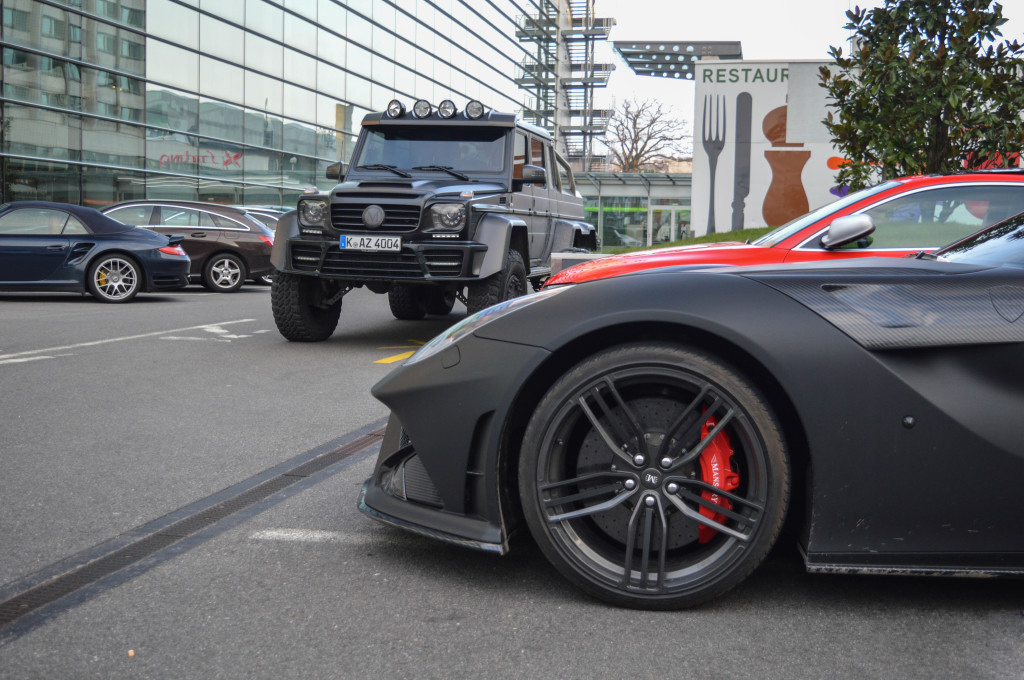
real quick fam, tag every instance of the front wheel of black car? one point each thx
(654, 476)
(509, 283)
(302, 308)
(406, 303)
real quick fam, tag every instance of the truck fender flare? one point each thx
(287, 229)
(498, 233)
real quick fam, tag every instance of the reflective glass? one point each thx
(229, 10)
(262, 92)
(221, 80)
(109, 143)
(263, 130)
(264, 18)
(263, 55)
(299, 103)
(27, 180)
(32, 131)
(221, 39)
(217, 119)
(299, 69)
(172, 66)
(177, 111)
(173, 22)
(221, 158)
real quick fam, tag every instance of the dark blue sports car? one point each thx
(47, 246)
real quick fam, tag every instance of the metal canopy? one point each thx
(673, 59)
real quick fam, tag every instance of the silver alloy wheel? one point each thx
(115, 278)
(225, 272)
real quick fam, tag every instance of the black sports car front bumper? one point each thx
(440, 469)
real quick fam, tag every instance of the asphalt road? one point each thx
(120, 421)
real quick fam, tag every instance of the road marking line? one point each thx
(23, 360)
(121, 339)
(393, 359)
(299, 535)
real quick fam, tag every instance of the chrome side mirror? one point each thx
(847, 229)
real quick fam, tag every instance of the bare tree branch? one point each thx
(643, 136)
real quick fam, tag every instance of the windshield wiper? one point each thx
(381, 166)
(924, 255)
(443, 168)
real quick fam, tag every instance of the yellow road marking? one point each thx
(404, 355)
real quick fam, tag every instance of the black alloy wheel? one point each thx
(654, 476)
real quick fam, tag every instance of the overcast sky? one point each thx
(768, 30)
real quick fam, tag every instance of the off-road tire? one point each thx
(406, 303)
(509, 283)
(438, 301)
(294, 300)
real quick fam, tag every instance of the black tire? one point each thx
(114, 278)
(406, 303)
(509, 283)
(438, 301)
(298, 310)
(224, 273)
(604, 462)
(264, 280)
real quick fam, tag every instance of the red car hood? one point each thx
(706, 253)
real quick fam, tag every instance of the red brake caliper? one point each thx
(716, 470)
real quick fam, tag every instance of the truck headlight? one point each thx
(312, 212)
(448, 216)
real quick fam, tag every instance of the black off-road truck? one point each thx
(437, 205)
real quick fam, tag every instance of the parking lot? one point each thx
(120, 421)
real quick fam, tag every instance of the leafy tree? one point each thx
(643, 135)
(926, 90)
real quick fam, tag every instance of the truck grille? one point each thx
(404, 265)
(400, 217)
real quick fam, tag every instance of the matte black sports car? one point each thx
(63, 247)
(656, 430)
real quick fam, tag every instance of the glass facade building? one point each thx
(236, 101)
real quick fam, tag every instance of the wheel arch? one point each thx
(565, 357)
(143, 273)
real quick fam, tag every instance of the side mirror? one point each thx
(847, 229)
(534, 174)
(336, 170)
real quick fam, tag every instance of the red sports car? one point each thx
(893, 219)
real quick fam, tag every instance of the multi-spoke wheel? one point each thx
(224, 273)
(114, 278)
(654, 475)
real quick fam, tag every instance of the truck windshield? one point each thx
(465, 149)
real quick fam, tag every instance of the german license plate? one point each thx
(354, 242)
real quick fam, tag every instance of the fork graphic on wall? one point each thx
(713, 139)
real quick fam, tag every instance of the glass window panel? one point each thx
(176, 188)
(299, 69)
(383, 71)
(229, 10)
(217, 119)
(257, 195)
(177, 24)
(39, 132)
(263, 130)
(263, 165)
(306, 8)
(331, 113)
(177, 111)
(106, 142)
(298, 170)
(333, 16)
(175, 153)
(359, 91)
(300, 33)
(264, 18)
(135, 215)
(222, 159)
(178, 216)
(262, 92)
(299, 103)
(300, 139)
(331, 48)
(221, 39)
(221, 80)
(359, 59)
(172, 66)
(263, 55)
(27, 180)
(331, 81)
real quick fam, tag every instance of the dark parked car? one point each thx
(62, 247)
(227, 246)
(655, 430)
